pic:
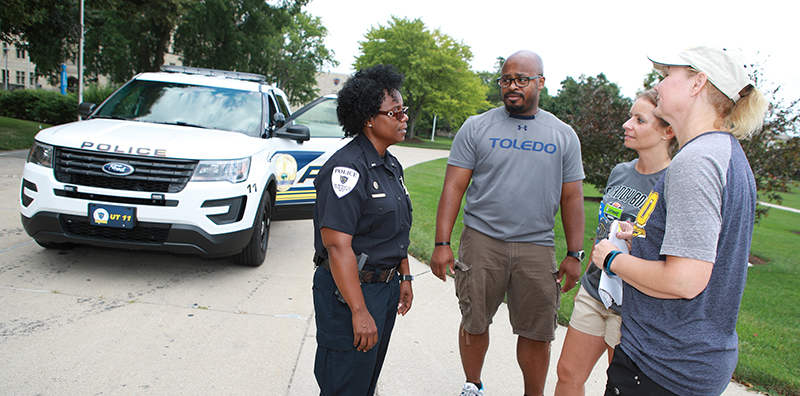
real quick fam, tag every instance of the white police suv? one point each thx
(186, 160)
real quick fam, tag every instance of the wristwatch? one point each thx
(580, 254)
(406, 277)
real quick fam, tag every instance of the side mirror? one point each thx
(299, 133)
(280, 120)
(85, 109)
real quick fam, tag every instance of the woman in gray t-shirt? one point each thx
(594, 328)
(691, 240)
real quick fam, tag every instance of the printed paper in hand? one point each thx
(610, 288)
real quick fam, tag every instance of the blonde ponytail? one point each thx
(743, 118)
(747, 115)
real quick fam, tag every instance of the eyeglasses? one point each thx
(398, 114)
(521, 82)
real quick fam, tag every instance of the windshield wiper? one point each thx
(182, 123)
(111, 117)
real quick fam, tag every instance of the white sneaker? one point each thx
(470, 389)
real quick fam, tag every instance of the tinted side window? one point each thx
(283, 105)
(273, 109)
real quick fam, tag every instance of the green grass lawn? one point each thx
(769, 318)
(791, 198)
(18, 134)
(439, 143)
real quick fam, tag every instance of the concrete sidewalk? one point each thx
(780, 207)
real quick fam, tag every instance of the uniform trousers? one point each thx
(340, 369)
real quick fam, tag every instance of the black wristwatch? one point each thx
(406, 277)
(580, 254)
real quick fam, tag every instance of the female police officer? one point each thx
(362, 217)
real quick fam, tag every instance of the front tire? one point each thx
(255, 252)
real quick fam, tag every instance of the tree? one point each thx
(489, 80)
(252, 36)
(229, 34)
(125, 37)
(650, 80)
(209, 33)
(438, 78)
(46, 29)
(302, 52)
(596, 110)
(122, 37)
(774, 153)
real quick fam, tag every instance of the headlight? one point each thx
(233, 171)
(41, 154)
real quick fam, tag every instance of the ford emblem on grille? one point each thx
(117, 169)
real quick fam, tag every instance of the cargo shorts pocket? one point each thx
(557, 291)
(462, 274)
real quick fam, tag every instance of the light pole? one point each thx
(5, 72)
(80, 63)
(433, 130)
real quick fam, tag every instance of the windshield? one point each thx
(171, 103)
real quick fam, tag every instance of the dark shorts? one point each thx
(340, 369)
(625, 378)
(490, 270)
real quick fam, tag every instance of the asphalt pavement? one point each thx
(92, 321)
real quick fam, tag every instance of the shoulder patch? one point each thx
(343, 180)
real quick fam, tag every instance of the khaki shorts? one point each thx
(489, 269)
(591, 317)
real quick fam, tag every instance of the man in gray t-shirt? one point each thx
(518, 165)
(524, 164)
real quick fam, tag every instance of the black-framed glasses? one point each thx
(398, 114)
(521, 82)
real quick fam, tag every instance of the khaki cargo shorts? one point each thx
(489, 269)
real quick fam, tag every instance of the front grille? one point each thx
(84, 168)
(116, 199)
(143, 232)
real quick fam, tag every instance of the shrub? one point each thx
(97, 94)
(54, 109)
(39, 105)
(48, 106)
(12, 104)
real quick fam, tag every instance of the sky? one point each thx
(582, 37)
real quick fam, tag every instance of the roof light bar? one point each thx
(214, 73)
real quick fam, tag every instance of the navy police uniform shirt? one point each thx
(363, 195)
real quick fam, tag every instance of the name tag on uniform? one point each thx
(381, 195)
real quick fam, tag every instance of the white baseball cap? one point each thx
(726, 68)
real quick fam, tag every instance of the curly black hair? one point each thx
(362, 95)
